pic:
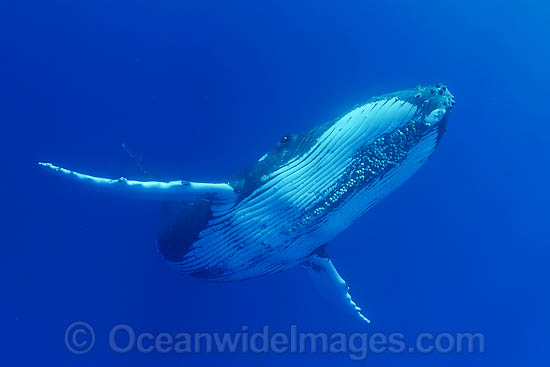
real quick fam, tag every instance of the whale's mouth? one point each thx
(434, 104)
(441, 104)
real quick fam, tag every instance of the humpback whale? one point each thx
(283, 210)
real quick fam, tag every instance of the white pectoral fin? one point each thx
(221, 195)
(325, 277)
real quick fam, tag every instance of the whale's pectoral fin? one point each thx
(221, 195)
(325, 277)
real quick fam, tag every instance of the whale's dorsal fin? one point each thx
(221, 195)
(326, 278)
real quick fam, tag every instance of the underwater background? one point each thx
(201, 89)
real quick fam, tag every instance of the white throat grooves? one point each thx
(275, 206)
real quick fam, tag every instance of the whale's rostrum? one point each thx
(283, 210)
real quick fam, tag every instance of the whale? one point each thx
(283, 210)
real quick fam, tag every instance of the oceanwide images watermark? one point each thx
(80, 338)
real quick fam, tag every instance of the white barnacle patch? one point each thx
(435, 116)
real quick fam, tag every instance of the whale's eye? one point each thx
(285, 139)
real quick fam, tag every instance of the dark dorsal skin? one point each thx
(181, 224)
(244, 248)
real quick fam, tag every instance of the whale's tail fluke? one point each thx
(221, 195)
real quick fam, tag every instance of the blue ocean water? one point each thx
(201, 90)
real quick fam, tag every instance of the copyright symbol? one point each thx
(79, 337)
